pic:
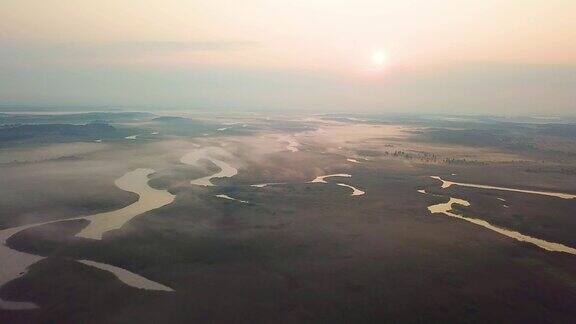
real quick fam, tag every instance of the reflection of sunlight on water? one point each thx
(446, 209)
(128, 277)
(446, 184)
(226, 170)
(230, 198)
(262, 185)
(320, 179)
(15, 263)
(355, 191)
(149, 198)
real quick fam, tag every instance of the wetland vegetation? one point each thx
(336, 230)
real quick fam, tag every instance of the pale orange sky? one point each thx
(337, 34)
(334, 37)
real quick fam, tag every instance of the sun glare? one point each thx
(379, 57)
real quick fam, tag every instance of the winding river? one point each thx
(226, 170)
(231, 198)
(262, 185)
(447, 184)
(134, 181)
(16, 263)
(320, 179)
(127, 277)
(446, 209)
(355, 191)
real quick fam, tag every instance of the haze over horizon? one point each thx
(305, 161)
(489, 57)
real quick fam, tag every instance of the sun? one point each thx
(379, 57)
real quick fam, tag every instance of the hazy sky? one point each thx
(508, 56)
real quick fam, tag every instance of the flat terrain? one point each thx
(296, 251)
